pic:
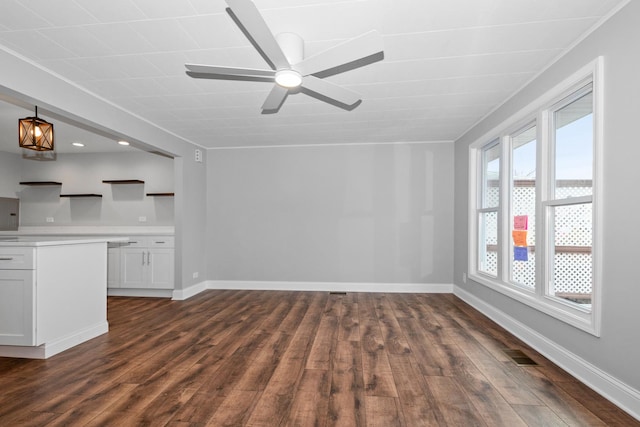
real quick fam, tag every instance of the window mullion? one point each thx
(544, 157)
(505, 206)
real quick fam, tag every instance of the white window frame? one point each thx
(538, 112)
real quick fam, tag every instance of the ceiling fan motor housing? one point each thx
(292, 46)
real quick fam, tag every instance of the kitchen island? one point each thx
(53, 293)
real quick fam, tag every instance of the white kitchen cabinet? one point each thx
(113, 266)
(52, 294)
(147, 263)
(17, 302)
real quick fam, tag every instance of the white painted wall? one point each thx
(617, 351)
(366, 214)
(9, 170)
(120, 205)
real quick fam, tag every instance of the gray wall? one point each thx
(618, 349)
(120, 205)
(367, 213)
(9, 171)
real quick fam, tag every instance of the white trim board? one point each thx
(47, 350)
(433, 288)
(151, 293)
(627, 398)
(183, 294)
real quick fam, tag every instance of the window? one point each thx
(533, 191)
(568, 204)
(488, 212)
(523, 145)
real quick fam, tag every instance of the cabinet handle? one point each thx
(142, 258)
(6, 259)
(160, 242)
(148, 258)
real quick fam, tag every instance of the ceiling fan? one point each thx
(290, 71)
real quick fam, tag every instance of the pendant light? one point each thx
(35, 133)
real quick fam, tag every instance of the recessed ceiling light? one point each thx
(77, 144)
(123, 143)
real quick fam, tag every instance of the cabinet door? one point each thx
(133, 267)
(113, 267)
(160, 268)
(17, 307)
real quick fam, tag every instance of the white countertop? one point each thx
(89, 231)
(33, 241)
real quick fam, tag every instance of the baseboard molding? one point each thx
(183, 294)
(152, 293)
(432, 288)
(624, 396)
(47, 350)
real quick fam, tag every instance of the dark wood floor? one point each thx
(236, 358)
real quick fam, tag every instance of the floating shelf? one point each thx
(161, 194)
(122, 181)
(81, 195)
(40, 183)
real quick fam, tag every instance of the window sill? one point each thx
(565, 312)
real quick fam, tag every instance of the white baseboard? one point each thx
(432, 288)
(153, 293)
(611, 388)
(183, 294)
(47, 350)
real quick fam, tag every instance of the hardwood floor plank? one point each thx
(324, 344)
(429, 356)
(234, 409)
(566, 407)
(310, 405)
(377, 373)
(488, 402)
(346, 402)
(539, 416)
(383, 412)
(260, 369)
(275, 402)
(502, 379)
(264, 358)
(582, 393)
(334, 305)
(349, 323)
(394, 339)
(453, 408)
(415, 398)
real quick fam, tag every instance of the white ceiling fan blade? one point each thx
(360, 47)
(251, 19)
(275, 98)
(330, 90)
(229, 71)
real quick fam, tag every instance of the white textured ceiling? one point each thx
(446, 63)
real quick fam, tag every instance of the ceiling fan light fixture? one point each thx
(288, 78)
(35, 133)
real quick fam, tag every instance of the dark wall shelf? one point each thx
(161, 194)
(81, 195)
(40, 183)
(122, 181)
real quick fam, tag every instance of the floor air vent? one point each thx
(520, 358)
(337, 293)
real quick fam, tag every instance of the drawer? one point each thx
(17, 259)
(136, 242)
(161, 242)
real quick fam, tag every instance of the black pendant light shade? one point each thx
(35, 133)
